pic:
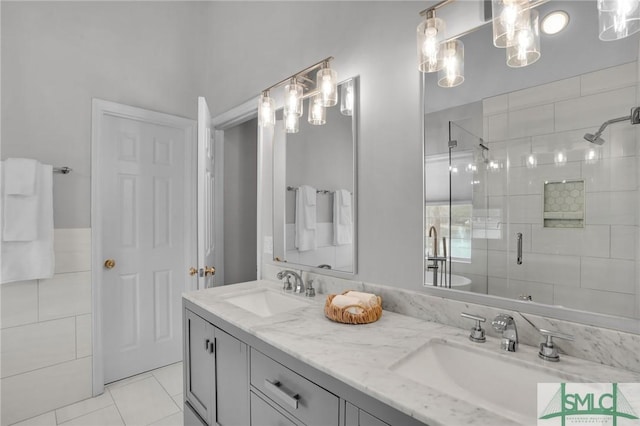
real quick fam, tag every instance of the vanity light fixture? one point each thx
(554, 22)
(291, 123)
(509, 16)
(322, 91)
(525, 49)
(266, 110)
(430, 36)
(618, 19)
(452, 72)
(317, 111)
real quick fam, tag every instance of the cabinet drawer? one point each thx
(262, 414)
(305, 400)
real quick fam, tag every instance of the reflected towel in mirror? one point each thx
(305, 218)
(342, 222)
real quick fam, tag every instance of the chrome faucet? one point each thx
(434, 233)
(298, 287)
(505, 323)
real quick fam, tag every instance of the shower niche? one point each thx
(564, 204)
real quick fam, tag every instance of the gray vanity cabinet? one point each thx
(355, 416)
(233, 378)
(216, 373)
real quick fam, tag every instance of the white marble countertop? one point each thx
(361, 355)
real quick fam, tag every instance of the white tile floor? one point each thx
(153, 398)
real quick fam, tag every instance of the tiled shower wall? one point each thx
(46, 334)
(594, 267)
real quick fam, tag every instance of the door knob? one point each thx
(109, 263)
(193, 271)
(208, 271)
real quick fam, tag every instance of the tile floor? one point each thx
(153, 398)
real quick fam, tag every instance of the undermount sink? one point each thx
(480, 377)
(265, 302)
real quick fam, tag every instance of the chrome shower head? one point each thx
(595, 139)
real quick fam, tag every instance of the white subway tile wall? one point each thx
(46, 334)
(590, 268)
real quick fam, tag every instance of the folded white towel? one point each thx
(305, 218)
(20, 200)
(30, 260)
(367, 299)
(343, 301)
(342, 222)
(20, 176)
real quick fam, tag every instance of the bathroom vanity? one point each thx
(254, 355)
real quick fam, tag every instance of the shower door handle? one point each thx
(519, 242)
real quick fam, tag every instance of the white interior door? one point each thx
(206, 197)
(145, 175)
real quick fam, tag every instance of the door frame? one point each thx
(101, 109)
(235, 116)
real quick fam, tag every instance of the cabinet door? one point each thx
(355, 416)
(199, 360)
(232, 380)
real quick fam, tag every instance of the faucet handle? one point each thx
(548, 350)
(310, 291)
(477, 332)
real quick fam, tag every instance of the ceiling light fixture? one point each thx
(554, 22)
(322, 92)
(618, 19)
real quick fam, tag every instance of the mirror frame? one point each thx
(618, 323)
(279, 217)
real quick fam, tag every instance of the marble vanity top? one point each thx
(361, 355)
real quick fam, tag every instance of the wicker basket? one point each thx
(338, 314)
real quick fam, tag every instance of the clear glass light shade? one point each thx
(317, 111)
(430, 35)
(526, 47)
(291, 123)
(346, 98)
(293, 99)
(327, 83)
(509, 16)
(452, 72)
(266, 111)
(618, 18)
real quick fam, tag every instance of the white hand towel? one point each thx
(20, 176)
(30, 260)
(342, 222)
(366, 299)
(20, 200)
(342, 301)
(305, 218)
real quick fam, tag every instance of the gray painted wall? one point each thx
(375, 40)
(240, 202)
(57, 56)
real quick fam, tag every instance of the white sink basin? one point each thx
(485, 379)
(265, 302)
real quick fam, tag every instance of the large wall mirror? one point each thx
(523, 206)
(314, 189)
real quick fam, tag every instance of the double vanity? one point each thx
(256, 355)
